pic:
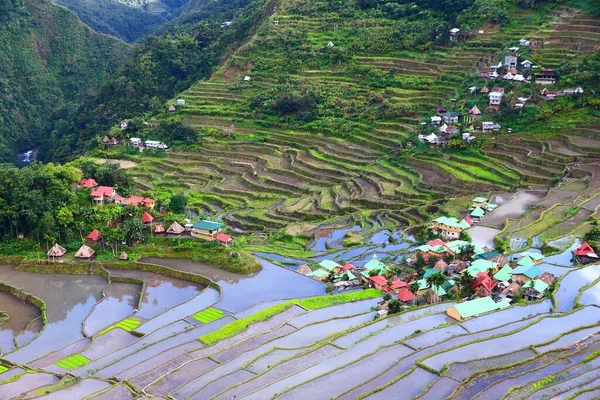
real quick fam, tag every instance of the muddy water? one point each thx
(513, 208)
(242, 291)
(20, 315)
(162, 292)
(68, 298)
(32, 330)
(120, 300)
(483, 236)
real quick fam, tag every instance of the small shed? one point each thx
(123, 256)
(56, 251)
(172, 108)
(224, 240)
(94, 236)
(147, 218)
(247, 78)
(475, 111)
(304, 269)
(158, 228)
(330, 44)
(180, 102)
(176, 228)
(85, 252)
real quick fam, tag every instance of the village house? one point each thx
(135, 141)
(472, 308)
(484, 90)
(548, 94)
(435, 120)
(448, 227)
(147, 218)
(319, 275)
(226, 24)
(330, 266)
(224, 240)
(495, 98)
(530, 259)
(526, 64)
(405, 295)
(453, 33)
(436, 248)
(110, 141)
(180, 102)
(585, 254)
(479, 201)
(489, 126)
(155, 144)
(535, 289)
(103, 194)
(477, 214)
(524, 274)
(572, 91)
(172, 108)
(304, 269)
(484, 266)
(451, 117)
(511, 57)
(124, 124)
(159, 229)
(94, 236)
(483, 285)
(89, 183)
(247, 78)
(546, 76)
(137, 201)
(207, 230)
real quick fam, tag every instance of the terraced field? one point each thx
(307, 348)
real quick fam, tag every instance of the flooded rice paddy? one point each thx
(21, 315)
(337, 352)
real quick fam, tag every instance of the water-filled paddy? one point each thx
(571, 284)
(21, 314)
(120, 300)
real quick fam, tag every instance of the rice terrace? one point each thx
(358, 201)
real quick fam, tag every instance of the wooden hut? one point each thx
(85, 252)
(176, 228)
(56, 251)
(123, 256)
(304, 269)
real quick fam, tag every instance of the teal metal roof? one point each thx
(504, 274)
(475, 307)
(478, 212)
(530, 272)
(480, 199)
(537, 284)
(375, 264)
(329, 265)
(318, 273)
(533, 256)
(207, 225)
(480, 266)
(526, 262)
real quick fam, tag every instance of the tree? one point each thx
(466, 251)
(387, 296)
(329, 287)
(394, 307)
(466, 283)
(133, 230)
(432, 260)
(436, 281)
(177, 203)
(414, 288)
(420, 261)
(464, 236)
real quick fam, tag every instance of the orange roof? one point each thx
(103, 191)
(147, 218)
(159, 228)
(88, 183)
(484, 280)
(347, 266)
(405, 295)
(378, 280)
(95, 235)
(221, 237)
(137, 200)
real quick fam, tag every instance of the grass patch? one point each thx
(314, 303)
(56, 387)
(3, 369)
(591, 356)
(73, 362)
(127, 325)
(208, 315)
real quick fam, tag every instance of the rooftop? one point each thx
(207, 225)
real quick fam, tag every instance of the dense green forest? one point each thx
(161, 67)
(129, 20)
(48, 58)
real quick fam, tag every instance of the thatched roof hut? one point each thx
(176, 228)
(56, 251)
(85, 252)
(123, 256)
(512, 289)
(546, 277)
(441, 265)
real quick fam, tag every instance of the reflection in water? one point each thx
(241, 291)
(68, 298)
(20, 314)
(120, 300)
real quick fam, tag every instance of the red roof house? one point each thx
(468, 220)
(396, 285)
(102, 192)
(378, 281)
(138, 200)
(405, 295)
(147, 218)
(585, 253)
(484, 284)
(224, 240)
(159, 228)
(88, 183)
(436, 242)
(94, 236)
(347, 267)
(498, 89)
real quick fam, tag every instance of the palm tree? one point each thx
(436, 280)
(466, 282)
(414, 288)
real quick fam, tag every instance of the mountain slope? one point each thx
(126, 19)
(47, 58)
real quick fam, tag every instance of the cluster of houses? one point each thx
(551, 94)
(450, 228)
(206, 230)
(444, 125)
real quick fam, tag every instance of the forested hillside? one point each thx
(164, 65)
(48, 58)
(126, 19)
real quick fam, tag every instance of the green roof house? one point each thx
(526, 262)
(479, 201)
(478, 266)
(536, 257)
(207, 230)
(524, 274)
(504, 274)
(477, 213)
(375, 265)
(472, 308)
(538, 285)
(329, 265)
(319, 274)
